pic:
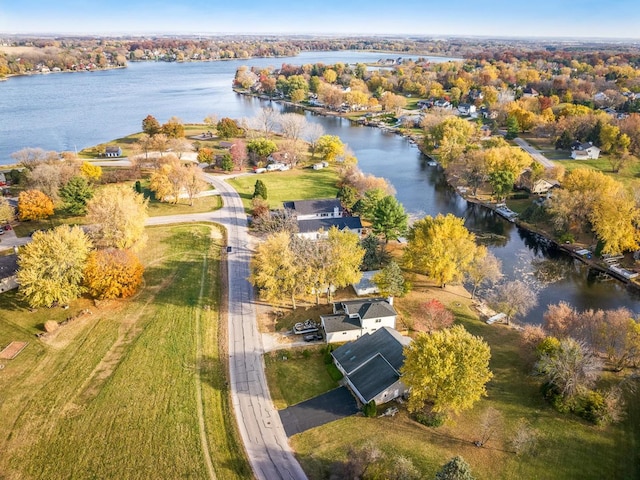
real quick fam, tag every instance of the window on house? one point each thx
(378, 320)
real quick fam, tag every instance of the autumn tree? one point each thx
(389, 219)
(451, 138)
(228, 128)
(91, 172)
(276, 270)
(49, 177)
(260, 148)
(159, 182)
(501, 182)
(173, 129)
(239, 154)
(151, 126)
(51, 266)
(344, 259)
(441, 248)
(514, 299)
(112, 273)
(446, 369)
(390, 281)
(75, 194)
(435, 316)
(7, 212)
(484, 268)
(117, 215)
(330, 148)
(34, 205)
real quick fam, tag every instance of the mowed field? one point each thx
(135, 389)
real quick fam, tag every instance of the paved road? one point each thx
(258, 421)
(535, 154)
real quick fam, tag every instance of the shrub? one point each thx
(370, 410)
(430, 419)
(567, 238)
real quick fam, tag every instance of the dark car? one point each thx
(312, 337)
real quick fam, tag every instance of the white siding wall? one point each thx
(341, 337)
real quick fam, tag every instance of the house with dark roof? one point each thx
(352, 319)
(317, 217)
(371, 365)
(112, 151)
(8, 272)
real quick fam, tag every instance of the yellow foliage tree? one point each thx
(446, 369)
(34, 205)
(441, 247)
(113, 273)
(90, 171)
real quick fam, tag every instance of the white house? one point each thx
(112, 151)
(352, 319)
(317, 217)
(584, 151)
(466, 109)
(371, 365)
(8, 272)
(322, 208)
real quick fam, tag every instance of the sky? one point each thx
(488, 18)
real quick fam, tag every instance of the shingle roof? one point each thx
(315, 224)
(339, 323)
(373, 377)
(384, 341)
(8, 266)
(310, 207)
(370, 307)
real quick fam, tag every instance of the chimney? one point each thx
(390, 300)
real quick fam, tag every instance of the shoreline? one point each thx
(592, 264)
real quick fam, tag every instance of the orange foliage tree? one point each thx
(113, 273)
(34, 205)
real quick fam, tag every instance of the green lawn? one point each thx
(566, 448)
(114, 394)
(297, 184)
(303, 368)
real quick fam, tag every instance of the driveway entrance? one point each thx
(333, 405)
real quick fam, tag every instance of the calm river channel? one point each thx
(72, 111)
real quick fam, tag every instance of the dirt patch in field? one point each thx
(12, 350)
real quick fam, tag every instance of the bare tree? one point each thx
(560, 319)
(570, 368)
(266, 121)
(524, 438)
(490, 423)
(485, 268)
(513, 299)
(194, 181)
(143, 145)
(293, 125)
(30, 158)
(180, 146)
(312, 134)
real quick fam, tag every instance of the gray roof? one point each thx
(384, 341)
(366, 282)
(8, 266)
(312, 207)
(368, 307)
(339, 323)
(373, 377)
(316, 224)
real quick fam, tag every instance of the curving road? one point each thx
(258, 421)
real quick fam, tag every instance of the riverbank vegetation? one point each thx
(117, 382)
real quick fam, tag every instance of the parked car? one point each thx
(260, 170)
(312, 337)
(1, 231)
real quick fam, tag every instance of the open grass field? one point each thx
(134, 389)
(566, 446)
(297, 184)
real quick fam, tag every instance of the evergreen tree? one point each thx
(513, 128)
(260, 190)
(455, 469)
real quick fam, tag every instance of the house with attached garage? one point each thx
(371, 365)
(352, 319)
(316, 217)
(584, 151)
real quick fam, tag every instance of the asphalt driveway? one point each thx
(333, 405)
